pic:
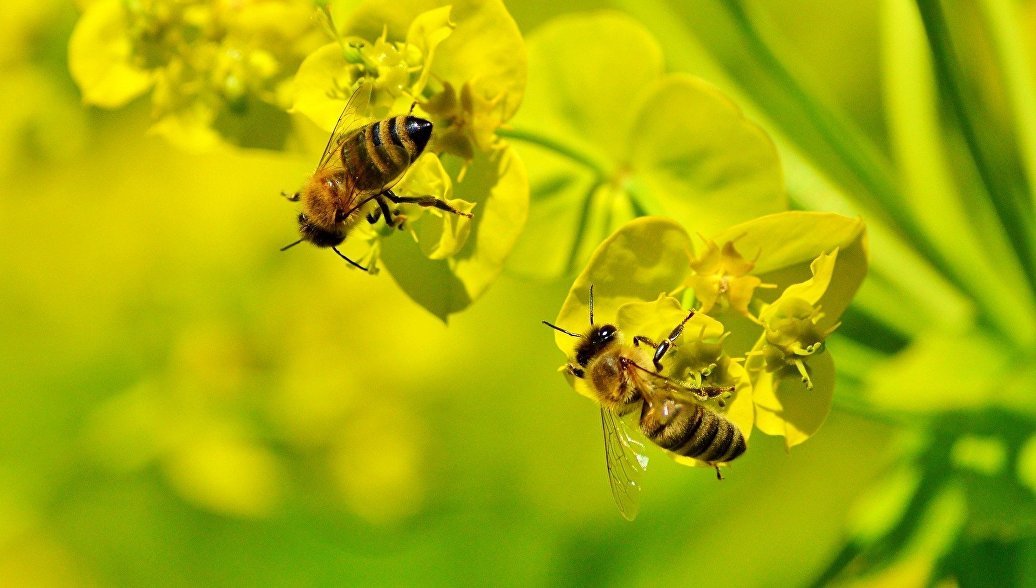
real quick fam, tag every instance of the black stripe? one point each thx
(737, 448)
(721, 444)
(705, 434)
(376, 133)
(394, 130)
(372, 154)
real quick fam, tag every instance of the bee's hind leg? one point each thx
(392, 219)
(424, 201)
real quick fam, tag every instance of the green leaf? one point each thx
(646, 257)
(882, 507)
(941, 372)
(1027, 464)
(965, 233)
(705, 163)
(450, 285)
(99, 57)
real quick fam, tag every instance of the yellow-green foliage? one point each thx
(844, 191)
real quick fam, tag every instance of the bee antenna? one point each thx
(340, 254)
(557, 328)
(591, 305)
(290, 245)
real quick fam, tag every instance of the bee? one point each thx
(672, 415)
(360, 166)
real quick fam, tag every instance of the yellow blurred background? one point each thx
(184, 404)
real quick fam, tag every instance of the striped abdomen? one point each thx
(377, 154)
(692, 430)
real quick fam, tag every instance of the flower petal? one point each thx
(696, 153)
(783, 406)
(644, 258)
(99, 54)
(450, 285)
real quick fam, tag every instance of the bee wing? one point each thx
(626, 463)
(678, 388)
(358, 102)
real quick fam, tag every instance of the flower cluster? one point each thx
(237, 71)
(461, 66)
(217, 70)
(771, 350)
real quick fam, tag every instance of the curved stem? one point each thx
(1011, 205)
(569, 152)
(584, 220)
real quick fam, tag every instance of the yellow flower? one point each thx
(722, 276)
(219, 71)
(462, 66)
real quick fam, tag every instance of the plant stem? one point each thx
(584, 220)
(1011, 208)
(599, 169)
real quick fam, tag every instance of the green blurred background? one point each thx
(183, 404)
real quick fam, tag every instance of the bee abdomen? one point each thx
(693, 431)
(379, 152)
(669, 431)
(716, 440)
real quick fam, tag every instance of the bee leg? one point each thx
(392, 219)
(291, 197)
(431, 201)
(719, 475)
(575, 370)
(642, 339)
(662, 348)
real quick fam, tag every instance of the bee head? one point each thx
(419, 130)
(318, 236)
(596, 341)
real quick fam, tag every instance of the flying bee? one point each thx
(360, 166)
(672, 415)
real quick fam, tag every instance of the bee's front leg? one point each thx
(575, 370)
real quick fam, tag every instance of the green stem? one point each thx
(868, 167)
(599, 169)
(643, 203)
(855, 151)
(1011, 207)
(584, 220)
(1004, 26)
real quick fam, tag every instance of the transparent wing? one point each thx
(357, 103)
(626, 463)
(676, 388)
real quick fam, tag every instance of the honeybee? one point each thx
(360, 166)
(672, 415)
